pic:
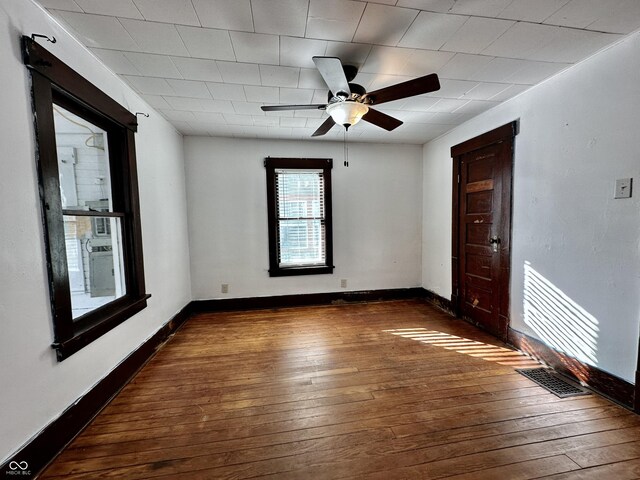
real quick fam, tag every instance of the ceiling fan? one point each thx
(349, 102)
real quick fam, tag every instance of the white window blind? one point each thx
(301, 217)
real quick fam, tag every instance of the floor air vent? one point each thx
(553, 382)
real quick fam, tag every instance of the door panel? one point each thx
(479, 202)
(478, 265)
(480, 171)
(481, 218)
(478, 234)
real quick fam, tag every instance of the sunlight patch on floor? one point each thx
(465, 346)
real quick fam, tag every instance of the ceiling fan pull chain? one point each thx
(346, 149)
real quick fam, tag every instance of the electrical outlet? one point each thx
(225, 288)
(343, 283)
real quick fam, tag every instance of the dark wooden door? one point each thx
(482, 254)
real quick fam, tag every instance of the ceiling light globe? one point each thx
(347, 113)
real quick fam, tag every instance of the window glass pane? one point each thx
(94, 261)
(83, 162)
(301, 242)
(300, 194)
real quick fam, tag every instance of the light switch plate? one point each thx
(623, 188)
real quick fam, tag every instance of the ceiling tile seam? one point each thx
(140, 20)
(184, 44)
(434, 94)
(409, 28)
(176, 67)
(298, 80)
(125, 57)
(556, 11)
(502, 35)
(541, 47)
(306, 22)
(412, 21)
(453, 35)
(253, 22)
(368, 53)
(575, 28)
(609, 33)
(500, 93)
(502, 11)
(521, 21)
(288, 66)
(138, 9)
(493, 57)
(196, 12)
(370, 44)
(453, 51)
(233, 49)
(128, 33)
(279, 53)
(213, 97)
(254, 33)
(359, 22)
(51, 10)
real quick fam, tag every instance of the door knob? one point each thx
(494, 242)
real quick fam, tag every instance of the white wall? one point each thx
(35, 387)
(578, 133)
(376, 216)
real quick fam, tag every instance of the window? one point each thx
(88, 187)
(299, 212)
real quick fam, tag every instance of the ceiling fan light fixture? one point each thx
(347, 113)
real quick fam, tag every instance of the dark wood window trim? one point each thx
(324, 164)
(55, 82)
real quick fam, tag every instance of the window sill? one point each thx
(292, 271)
(98, 324)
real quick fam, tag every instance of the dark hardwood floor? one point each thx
(378, 391)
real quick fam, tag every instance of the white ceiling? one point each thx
(208, 65)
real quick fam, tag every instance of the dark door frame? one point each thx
(501, 134)
(636, 405)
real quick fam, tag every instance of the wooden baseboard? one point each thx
(439, 302)
(49, 442)
(282, 301)
(606, 384)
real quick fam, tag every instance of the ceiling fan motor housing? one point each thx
(356, 92)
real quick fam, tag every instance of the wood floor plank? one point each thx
(523, 470)
(629, 470)
(373, 390)
(604, 455)
(427, 464)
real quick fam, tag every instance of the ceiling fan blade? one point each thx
(382, 120)
(417, 86)
(333, 74)
(279, 108)
(324, 128)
